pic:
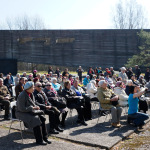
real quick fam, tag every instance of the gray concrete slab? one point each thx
(101, 134)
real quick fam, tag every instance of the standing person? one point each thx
(5, 98)
(90, 73)
(80, 71)
(19, 87)
(100, 71)
(34, 73)
(24, 111)
(147, 75)
(50, 70)
(134, 116)
(57, 72)
(65, 73)
(129, 72)
(137, 71)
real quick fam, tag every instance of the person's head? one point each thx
(54, 80)
(1, 75)
(76, 77)
(70, 76)
(36, 79)
(133, 77)
(8, 76)
(54, 75)
(130, 69)
(123, 69)
(25, 79)
(119, 79)
(100, 68)
(64, 79)
(136, 66)
(90, 68)
(111, 68)
(35, 71)
(94, 76)
(22, 80)
(101, 78)
(38, 86)
(29, 87)
(129, 82)
(66, 69)
(147, 69)
(57, 69)
(48, 76)
(39, 75)
(87, 76)
(48, 85)
(79, 67)
(30, 76)
(75, 83)
(119, 84)
(134, 89)
(1, 82)
(114, 76)
(18, 75)
(141, 77)
(24, 74)
(67, 84)
(102, 84)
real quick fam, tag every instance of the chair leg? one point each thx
(10, 127)
(21, 131)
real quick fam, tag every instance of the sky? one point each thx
(65, 14)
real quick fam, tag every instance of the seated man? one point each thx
(56, 101)
(42, 101)
(5, 98)
(80, 92)
(104, 95)
(86, 80)
(74, 101)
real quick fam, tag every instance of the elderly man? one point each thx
(5, 98)
(123, 75)
(104, 95)
(42, 101)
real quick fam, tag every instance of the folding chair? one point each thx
(13, 104)
(104, 110)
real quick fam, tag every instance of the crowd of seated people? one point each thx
(55, 93)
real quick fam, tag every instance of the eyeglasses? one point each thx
(39, 86)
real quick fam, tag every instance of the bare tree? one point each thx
(129, 15)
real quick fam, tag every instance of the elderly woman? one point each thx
(135, 117)
(92, 90)
(123, 97)
(123, 75)
(25, 111)
(104, 95)
(56, 85)
(17, 79)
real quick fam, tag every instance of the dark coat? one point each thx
(41, 99)
(18, 89)
(24, 110)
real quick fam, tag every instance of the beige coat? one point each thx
(104, 96)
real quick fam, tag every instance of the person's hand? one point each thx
(115, 98)
(6, 98)
(36, 108)
(48, 107)
(60, 88)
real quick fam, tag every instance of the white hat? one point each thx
(28, 85)
(100, 83)
(87, 75)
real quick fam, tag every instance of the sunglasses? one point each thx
(39, 86)
(48, 85)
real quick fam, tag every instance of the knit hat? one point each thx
(100, 83)
(28, 85)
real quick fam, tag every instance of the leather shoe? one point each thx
(53, 131)
(41, 143)
(47, 141)
(59, 129)
(84, 123)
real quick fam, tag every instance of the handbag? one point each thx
(115, 100)
(38, 112)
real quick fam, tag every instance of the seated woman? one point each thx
(135, 117)
(92, 90)
(74, 101)
(123, 97)
(104, 95)
(24, 111)
(56, 85)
